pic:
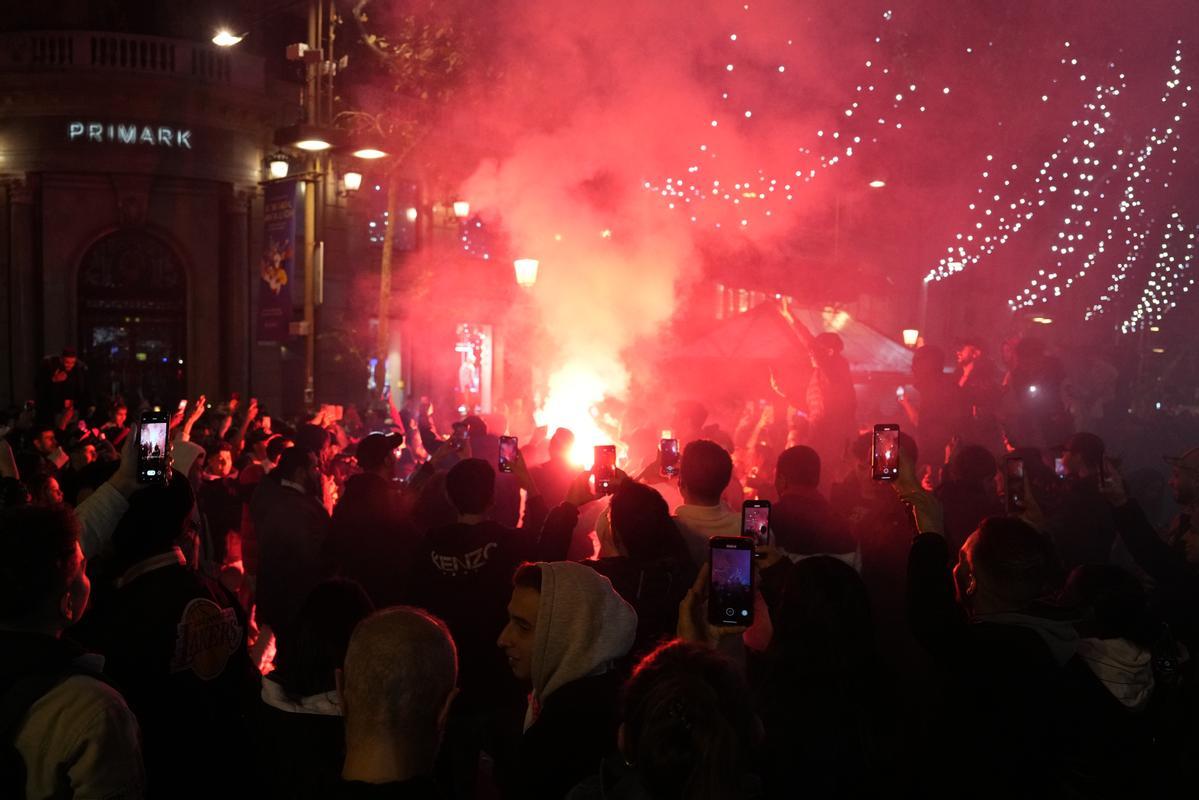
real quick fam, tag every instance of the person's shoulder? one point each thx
(81, 699)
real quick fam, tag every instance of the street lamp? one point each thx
(910, 337)
(461, 209)
(368, 153)
(526, 272)
(278, 165)
(351, 181)
(877, 183)
(311, 138)
(226, 38)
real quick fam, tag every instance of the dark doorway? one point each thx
(133, 319)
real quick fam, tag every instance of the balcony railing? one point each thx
(119, 53)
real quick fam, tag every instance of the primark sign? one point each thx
(130, 133)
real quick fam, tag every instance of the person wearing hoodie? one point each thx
(1008, 661)
(567, 628)
(705, 469)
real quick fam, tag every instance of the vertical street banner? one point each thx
(282, 202)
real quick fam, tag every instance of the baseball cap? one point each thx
(259, 435)
(1087, 445)
(1188, 460)
(374, 447)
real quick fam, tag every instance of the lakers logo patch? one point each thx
(207, 635)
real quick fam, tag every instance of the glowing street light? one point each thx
(410, 214)
(278, 166)
(877, 183)
(226, 38)
(368, 153)
(461, 209)
(352, 181)
(910, 337)
(526, 271)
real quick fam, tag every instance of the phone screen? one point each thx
(755, 521)
(669, 449)
(460, 435)
(1014, 483)
(1059, 467)
(507, 452)
(884, 455)
(152, 448)
(604, 468)
(731, 587)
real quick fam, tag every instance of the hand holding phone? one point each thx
(668, 457)
(755, 521)
(730, 580)
(152, 448)
(1013, 479)
(508, 452)
(884, 452)
(604, 468)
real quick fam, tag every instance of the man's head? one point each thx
(156, 518)
(119, 414)
(561, 443)
(220, 459)
(519, 635)
(257, 440)
(475, 426)
(1005, 565)
(1083, 455)
(705, 470)
(398, 680)
(968, 352)
(276, 447)
(798, 468)
(44, 440)
(470, 485)
(830, 343)
(973, 464)
(69, 358)
(376, 452)
(689, 417)
(82, 454)
(300, 466)
(928, 363)
(1184, 477)
(44, 491)
(43, 583)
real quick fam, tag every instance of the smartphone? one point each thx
(507, 453)
(884, 453)
(1013, 480)
(669, 451)
(152, 447)
(386, 392)
(731, 580)
(1059, 467)
(604, 468)
(459, 437)
(182, 405)
(755, 521)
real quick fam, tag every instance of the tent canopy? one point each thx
(761, 334)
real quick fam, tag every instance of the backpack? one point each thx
(18, 693)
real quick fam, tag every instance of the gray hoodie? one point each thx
(583, 626)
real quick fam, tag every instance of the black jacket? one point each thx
(574, 732)
(654, 589)
(463, 574)
(370, 541)
(291, 528)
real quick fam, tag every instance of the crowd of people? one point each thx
(355, 604)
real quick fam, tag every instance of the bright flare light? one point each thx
(461, 209)
(573, 394)
(227, 38)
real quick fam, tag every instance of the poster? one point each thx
(277, 268)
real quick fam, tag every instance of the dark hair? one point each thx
(275, 447)
(475, 425)
(824, 627)
(1018, 562)
(39, 487)
(928, 358)
(688, 723)
(219, 445)
(705, 470)
(154, 521)
(692, 411)
(1112, 600)
(972, 464)
(37, 547)
(293, 460)
(528, 576)
(316, 646)
(641, 522)
(470, 485)
(799, 465)
(13, 493)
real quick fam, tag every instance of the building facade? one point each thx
(131, 210)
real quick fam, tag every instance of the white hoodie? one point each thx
(1126, 669)
(583, 626)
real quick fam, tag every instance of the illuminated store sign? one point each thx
(122, 133)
